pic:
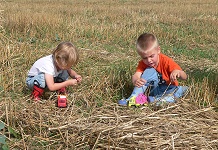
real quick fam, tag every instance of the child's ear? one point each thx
(158, 49)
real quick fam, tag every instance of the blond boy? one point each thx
(156, 70)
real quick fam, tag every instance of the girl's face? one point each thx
(61, 68)
(151, 57)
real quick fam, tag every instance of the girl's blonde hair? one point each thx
(146, 41)
(65, 55)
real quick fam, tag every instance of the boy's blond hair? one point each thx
(146, 42)
(65, 55)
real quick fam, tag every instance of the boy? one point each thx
(155, 70)
(52, 71)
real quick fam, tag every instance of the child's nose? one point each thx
(149, 59)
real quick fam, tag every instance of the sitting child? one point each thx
(52, 71)
(157, 71)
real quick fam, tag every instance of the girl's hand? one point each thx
(174, 75)
(78, 78)
(72, 82)
(140, 82)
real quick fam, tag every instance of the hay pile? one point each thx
(183, 125)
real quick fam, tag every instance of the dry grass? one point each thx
(105, 33)
(179, 126)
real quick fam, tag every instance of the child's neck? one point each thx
(58, 69)
(157, 62)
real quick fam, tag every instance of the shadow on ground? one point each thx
(199, 75)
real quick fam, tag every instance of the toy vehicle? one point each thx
(139, 100)
(62, 101)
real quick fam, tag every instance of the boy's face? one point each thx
(150, 57)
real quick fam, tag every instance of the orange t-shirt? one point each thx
(165, 66)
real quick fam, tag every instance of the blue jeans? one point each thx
(157, 88)
(40, 79)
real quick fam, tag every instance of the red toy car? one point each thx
(62, 101)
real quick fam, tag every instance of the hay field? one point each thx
(105, 33)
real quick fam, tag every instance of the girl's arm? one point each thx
(74, 75)
(52, 86)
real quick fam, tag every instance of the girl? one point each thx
(52, 71)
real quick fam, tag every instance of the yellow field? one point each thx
(105, 33)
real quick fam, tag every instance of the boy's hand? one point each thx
(140, 82)
(78, 78)
(175, 74)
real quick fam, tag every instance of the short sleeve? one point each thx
(141, 66)
(173, 65)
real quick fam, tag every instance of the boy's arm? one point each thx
(178, 74)
(74, 75)
(137, 80)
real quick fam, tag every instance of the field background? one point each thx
(105, 33)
